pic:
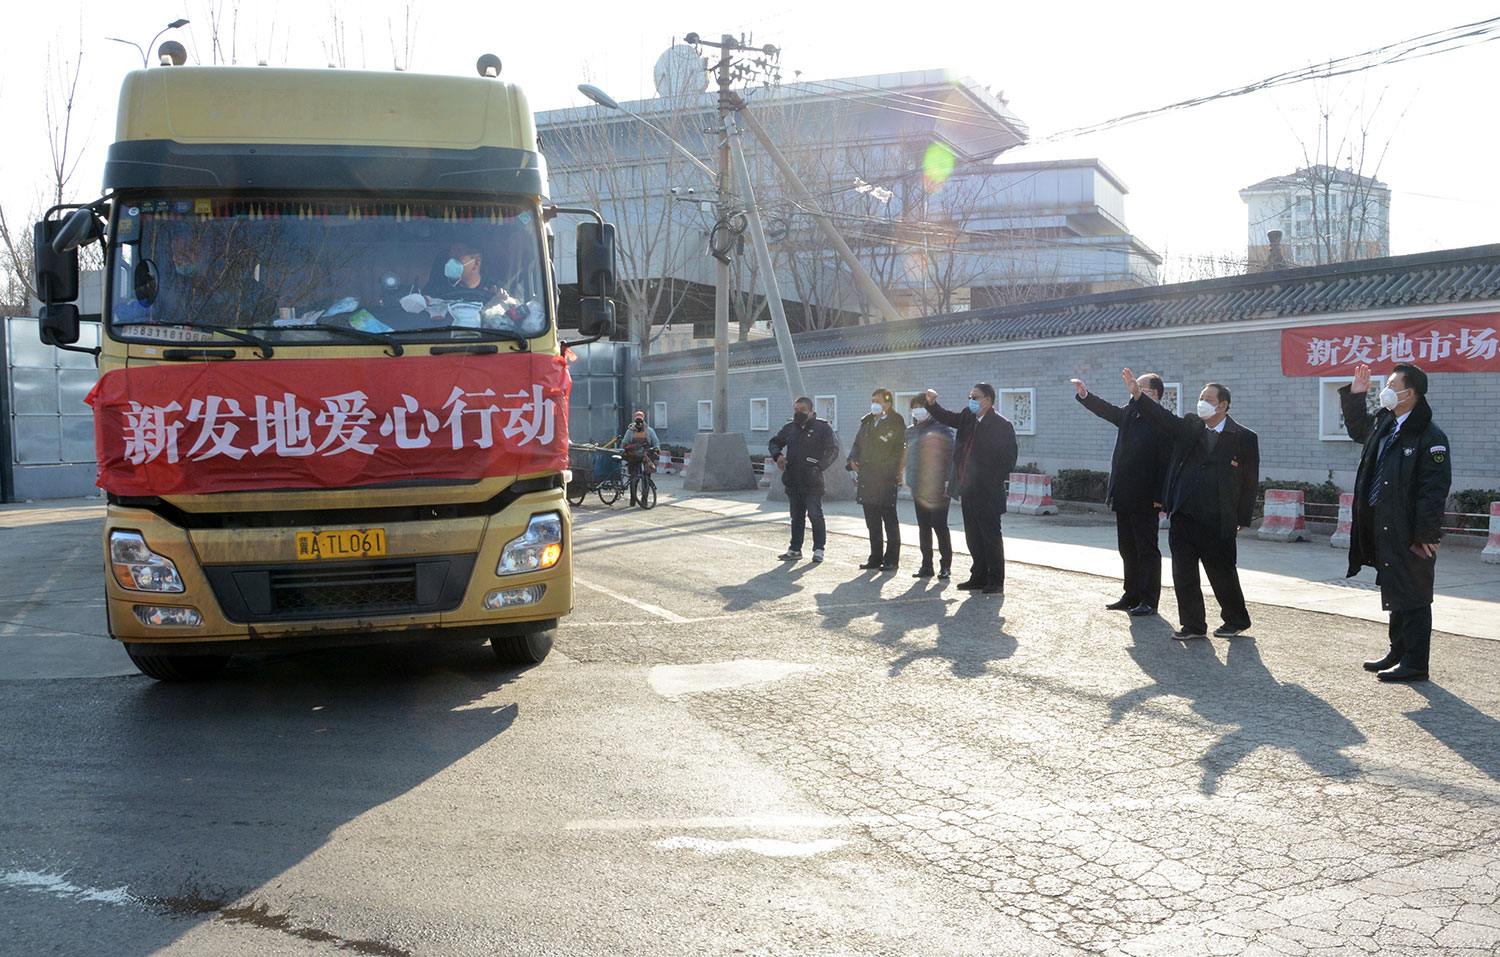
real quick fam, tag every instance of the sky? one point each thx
(1429, 135)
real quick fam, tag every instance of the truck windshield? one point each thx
(301, 270)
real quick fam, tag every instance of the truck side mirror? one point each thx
(80, 228)
(59, 324)
(596, 259)
(596, 317)
(56, 272)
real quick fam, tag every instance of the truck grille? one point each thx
(341, 589)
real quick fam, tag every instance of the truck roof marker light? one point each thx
(488, 66)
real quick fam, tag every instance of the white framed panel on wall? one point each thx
(1019, 406)
(658, 415)
(760, 415)
(902, 404)
(1331, 408)
(705, 415)
(826, 407)
(1171, 397)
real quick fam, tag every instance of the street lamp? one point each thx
(145, 62)
(609, 103)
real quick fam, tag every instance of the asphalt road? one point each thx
(726, 754)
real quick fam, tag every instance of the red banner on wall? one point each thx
(1460, 344)
(328, 423)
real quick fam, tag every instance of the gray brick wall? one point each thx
(1284, 411)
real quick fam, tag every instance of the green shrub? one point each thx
(1080, 485)
(1030, 468)
(1476, 502)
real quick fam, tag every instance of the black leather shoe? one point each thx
(970, 585)
(943, 572)
(1229, 631)
(1380, 664)
(993, 590)
(924, 572)
(1402, 673)
(1143, 610)
(1187, 633)
(873, 564)
(889, 566)
(1121, 605)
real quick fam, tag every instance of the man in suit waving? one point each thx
(1210, 494)
(1134, 493)
(984, 453)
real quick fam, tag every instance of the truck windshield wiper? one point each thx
(472, 332)
(393, 347)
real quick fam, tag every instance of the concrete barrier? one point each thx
(1491, 553)
(1340, 537)
(1285, 519)
(1038, 497)
(1016, 493)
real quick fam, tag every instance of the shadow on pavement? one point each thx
(1239, 693)
(200, 794)
(969, 639)
(1463, 728)
(780, 581)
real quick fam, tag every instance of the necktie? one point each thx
(1385, 446)
(1213, 440)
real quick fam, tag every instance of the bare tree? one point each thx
(401, 55)
(60, 105)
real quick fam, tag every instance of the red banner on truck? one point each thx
(328, 423)
(1455, 344)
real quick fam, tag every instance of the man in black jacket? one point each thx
(877, 459)
(1399, 494)
(1135, 478)
(804, 449)
(984, 453)
(1210, 493)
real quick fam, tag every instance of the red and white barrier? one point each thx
(1017, 492)
(1340, 537)
(767, 469)
(1491, 553)
(1038, 497)
(687, 463)
(1285, 519)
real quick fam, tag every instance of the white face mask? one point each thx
(876, 408)
(1390, 398)
(919, 415)
(1206, 409)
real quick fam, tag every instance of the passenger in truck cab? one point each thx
(199, 283)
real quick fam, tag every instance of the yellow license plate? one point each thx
(342, 543)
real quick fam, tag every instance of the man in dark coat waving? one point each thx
(984, 453)
(1210, 494)
(1399, 493)
(1135, 478)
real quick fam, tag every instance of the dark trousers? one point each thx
(933, 521)
(885, 543)
(1411, 636)
(1140, 550)
(807, 506)
(982, 517)
(1193, 542)
(633, 469)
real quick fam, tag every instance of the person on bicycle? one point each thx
(638, 443)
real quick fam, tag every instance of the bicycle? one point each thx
(642, 486)
(606, 479)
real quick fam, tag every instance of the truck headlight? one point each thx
(138, 568)
(538, 548)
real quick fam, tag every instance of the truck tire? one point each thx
(179, 667)
(528, 649)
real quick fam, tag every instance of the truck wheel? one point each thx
(527, 649)
(179, 667)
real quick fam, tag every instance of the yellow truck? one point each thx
(332, 403)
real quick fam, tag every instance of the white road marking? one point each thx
(673, 680)
(754, 845)
(645, 606)
(59, 886)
